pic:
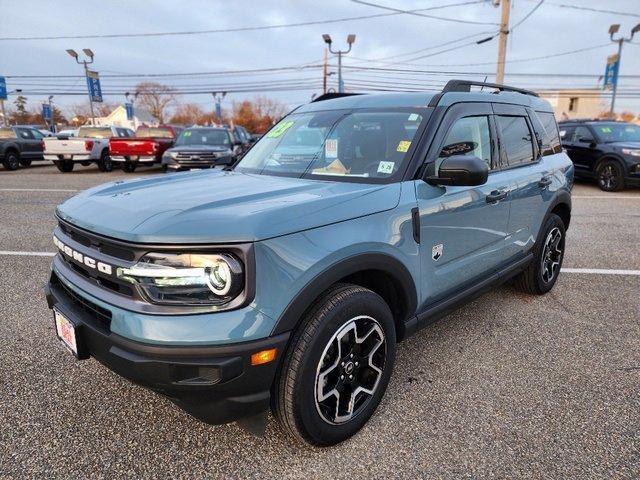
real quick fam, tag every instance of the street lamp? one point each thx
(613, 29)
(217, 98)
(351, 38)
(88, 53)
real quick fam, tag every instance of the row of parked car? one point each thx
(173, 147)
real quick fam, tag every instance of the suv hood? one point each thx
(216, 206)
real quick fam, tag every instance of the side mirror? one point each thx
(462, 171)
(590, 141)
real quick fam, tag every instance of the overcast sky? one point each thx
(385, 42)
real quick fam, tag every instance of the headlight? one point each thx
(173, 154)
(634, 152)
(187, 279)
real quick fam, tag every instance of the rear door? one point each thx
(529, 176)
(462, 229)
(31, 146)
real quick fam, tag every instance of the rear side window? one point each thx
(551, 138)
(468, 136)
(516, 139)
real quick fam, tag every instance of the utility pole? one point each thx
(613, 29)
(89, 54)
(502, 45)
(350, 39)
(324, 71)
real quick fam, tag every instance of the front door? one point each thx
(462, 229)
(584, 151)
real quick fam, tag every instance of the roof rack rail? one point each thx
(465, 86)
(331, 95)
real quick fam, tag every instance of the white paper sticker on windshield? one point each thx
(413, 117)
(386, 167)
(331, 148)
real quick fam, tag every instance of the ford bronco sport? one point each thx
(286, 280)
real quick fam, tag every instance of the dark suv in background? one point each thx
(606, 150)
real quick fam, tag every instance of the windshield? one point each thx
(94, 132)
(617, 132)
(204, 136)
(156, 132)
(7, 133)
(366, 145)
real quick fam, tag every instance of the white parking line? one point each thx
(609, 197)
(600, 271)
(589, 271)
(36, 190)
(26, 254)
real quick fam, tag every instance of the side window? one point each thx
(37, 134)
(566, 133)
(582, 135)
(516, 139)
(25, 134)
(468, 136)
(551, 140)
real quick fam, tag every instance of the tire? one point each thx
(128, 167)
(65, 166)
(541, 274)
(105, 164)
(11, 161)
(610, 176)
(25, 162)
(165, 169)
(319, 417)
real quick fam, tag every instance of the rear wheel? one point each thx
(610, 176)
(338, 366)
(541, 274)
(105, 164)
(64, 166)
(11, 161)
(129, 167)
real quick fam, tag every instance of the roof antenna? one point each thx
(485, 81)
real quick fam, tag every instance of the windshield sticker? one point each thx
(403, 146)
(605, 129)
(413, 117)
(187, 134)
(331, 148)
(386, 167)
(204, 139)
(562, 133)
(280, 129)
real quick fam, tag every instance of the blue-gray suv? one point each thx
(286, 281)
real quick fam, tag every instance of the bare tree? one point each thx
(155, 97)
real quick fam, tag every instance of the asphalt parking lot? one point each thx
(510, 386)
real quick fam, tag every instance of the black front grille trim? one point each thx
(101, 316)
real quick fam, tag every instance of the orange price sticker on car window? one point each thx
(403, 146)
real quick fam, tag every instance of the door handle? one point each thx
(496, 196)
(545, 182)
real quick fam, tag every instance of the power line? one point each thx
(397, 10)
(226, 30)
(523, 19)
(597, 10)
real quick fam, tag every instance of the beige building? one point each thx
(578, 103)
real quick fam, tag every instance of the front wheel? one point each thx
(105, 164)
(541, 274)
(610, 176)
(65, 166)
(338, 366)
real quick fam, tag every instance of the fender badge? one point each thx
(436, 251)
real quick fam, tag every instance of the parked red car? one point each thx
(146, 147)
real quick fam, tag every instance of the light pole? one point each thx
(613, 29)
(88, 53)
(52, 126)
(217, 98)
(351, 38)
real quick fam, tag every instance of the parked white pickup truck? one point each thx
(91, 145)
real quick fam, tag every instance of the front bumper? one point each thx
(216, 384)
